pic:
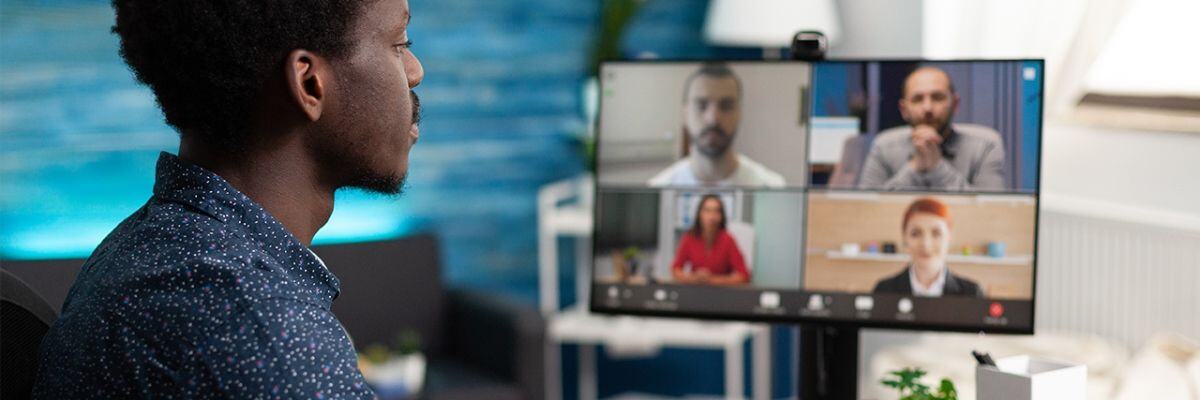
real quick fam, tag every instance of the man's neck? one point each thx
(713, 169)
(281, 178)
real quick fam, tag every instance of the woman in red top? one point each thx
(708, 248)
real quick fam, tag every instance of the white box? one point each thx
(1025, 378)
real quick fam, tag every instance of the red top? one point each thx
(722, 259)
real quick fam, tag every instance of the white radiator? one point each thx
(1118, 272)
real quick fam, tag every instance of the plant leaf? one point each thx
(946, 390)
(907, 382)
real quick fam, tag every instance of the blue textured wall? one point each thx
(78, 136)
(503, 117)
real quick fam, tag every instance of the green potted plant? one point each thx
(397, 370)
(630, 255)
(907, 382)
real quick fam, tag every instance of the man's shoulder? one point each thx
(183, 220)
(164, 267)
(893, 136)
(672, 175)
(758, 173)
(170, 246)
(976, 132)
(176, 231)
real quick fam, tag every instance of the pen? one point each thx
(983, 358)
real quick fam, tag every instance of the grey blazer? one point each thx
(974, 161)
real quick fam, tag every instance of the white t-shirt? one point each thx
(748, 173)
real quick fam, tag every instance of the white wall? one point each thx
(879, 29)
(778, 221)
(1157, 173)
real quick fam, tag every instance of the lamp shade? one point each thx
(768, 23)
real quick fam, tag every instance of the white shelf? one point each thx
(570, 221)
(651, 334)
(952, 258)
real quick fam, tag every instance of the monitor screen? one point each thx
(899, 194)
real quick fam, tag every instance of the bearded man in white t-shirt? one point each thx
(712, 110)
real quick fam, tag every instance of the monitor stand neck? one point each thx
(828, 363)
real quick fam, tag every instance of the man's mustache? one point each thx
(714, 130)
(416, 108)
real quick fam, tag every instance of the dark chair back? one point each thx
(26, 317)
(387, 287)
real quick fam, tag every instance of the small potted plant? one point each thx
(630, 255)
(907, 382)
(398, 370)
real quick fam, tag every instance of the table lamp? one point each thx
(769, 24)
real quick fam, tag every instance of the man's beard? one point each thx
(940, 125)
(720, 145)
(392, 185)
(416, 108)
(387, 184)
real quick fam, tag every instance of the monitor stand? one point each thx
(828, 355)
(828, 362)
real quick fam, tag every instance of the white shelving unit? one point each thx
(952, 258)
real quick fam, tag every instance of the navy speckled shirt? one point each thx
(199, 294)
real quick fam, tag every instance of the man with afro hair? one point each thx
(210, 290)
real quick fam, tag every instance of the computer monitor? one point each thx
(899, 194)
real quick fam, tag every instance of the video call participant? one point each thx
(932, 153)
(712, 111)
(710, 250)
(926, 232)
(210, 290)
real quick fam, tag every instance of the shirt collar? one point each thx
(179, 181)
(950, 143)
(934, 290)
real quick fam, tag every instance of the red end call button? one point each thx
(996, 310)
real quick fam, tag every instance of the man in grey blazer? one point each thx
(931, 153)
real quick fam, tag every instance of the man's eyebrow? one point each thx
(400, 28)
